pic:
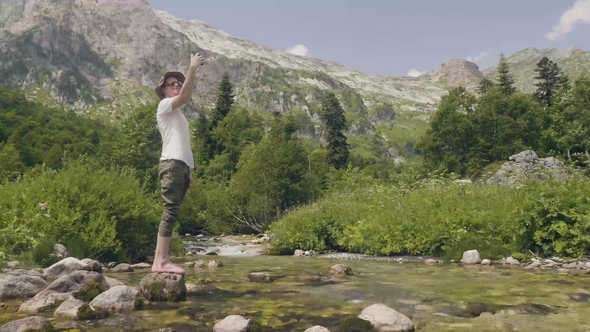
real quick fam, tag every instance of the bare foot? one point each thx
(167, 267)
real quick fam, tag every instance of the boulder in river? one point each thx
(20, 286)
(471, 257)
(34, 323)
(118, 298)
(233, 323)
(383, 318)
(63, 267)
(340, 270)
(163, 287)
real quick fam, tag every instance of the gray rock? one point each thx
(12, 265)
(114, 282)
(60, 251)
(30, 323)
(340, 270)
(23, 272)
(570, 265)
(94, 265)
(317, 328)
(39, 302)
(471, 257)
(61, 290)
(142, 265)
(260, 277)
(63, 267)
(123, 267)
(20, 286)
(163, 287)
(116, 299)
(527, 164)
(299, 253)
(232, 323)
(195, 289)
(214, 264)
(69, 308)
(384, 318)
(511, 261)
(534, 264)
(486, 262)
(74, 282)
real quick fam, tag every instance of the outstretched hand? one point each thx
(197, 60)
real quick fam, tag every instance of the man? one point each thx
(176, 161)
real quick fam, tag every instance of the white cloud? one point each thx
(415, 72)
(576, 14)
(478, 58)
(298, 49)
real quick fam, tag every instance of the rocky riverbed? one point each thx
(270, 293)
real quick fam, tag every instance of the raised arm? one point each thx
(187, 88)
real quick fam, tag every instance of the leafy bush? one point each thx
(42, 253)
(107, 209)
(438, 217)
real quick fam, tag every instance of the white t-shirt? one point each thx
(176, 138)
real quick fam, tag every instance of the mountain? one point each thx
(104, 57)
(456, 72)
(522, 64)
(110, 54)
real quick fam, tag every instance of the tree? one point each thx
(140, 144)
(550, 80)
(504, 77)
(448, 141)
(484, 86)
(225, 100)
(202, 140)
(335, 123)
(11, 165)
(272, 176)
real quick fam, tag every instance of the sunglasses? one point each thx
(173, 83)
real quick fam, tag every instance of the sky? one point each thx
(396, 37)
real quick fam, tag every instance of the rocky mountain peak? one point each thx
(456, 72)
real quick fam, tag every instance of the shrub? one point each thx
(42, 253)
(105, 209)
(438, 217)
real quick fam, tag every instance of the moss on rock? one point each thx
(85, 312)
(88, 293)
(354, 324)
(162, 287)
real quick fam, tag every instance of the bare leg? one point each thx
(162, 261)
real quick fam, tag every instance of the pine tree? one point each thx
(225, 100)
(550, 80)
(202, 140)
(335, 124)
(484, 86)
(505, 80)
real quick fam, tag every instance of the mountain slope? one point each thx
(522, 64)
(138, 44)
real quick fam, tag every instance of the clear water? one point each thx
(436, 298)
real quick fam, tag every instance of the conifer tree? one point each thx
(484, 86)
(335, 124)
(505, 79)
(225, 100)
(550, 80)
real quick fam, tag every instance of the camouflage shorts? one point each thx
(174, 180)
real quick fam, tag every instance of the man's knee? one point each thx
(169, 216)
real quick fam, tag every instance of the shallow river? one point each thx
(436, 298)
